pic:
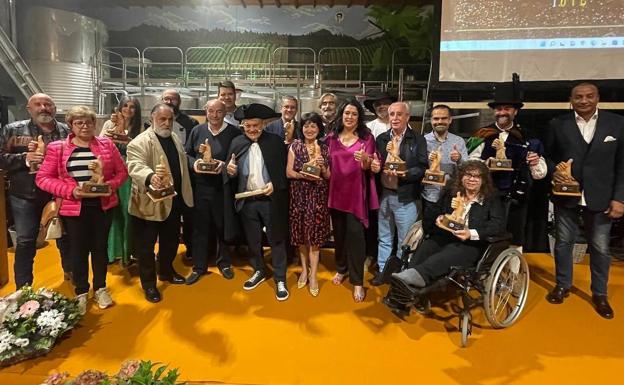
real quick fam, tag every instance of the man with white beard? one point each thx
(328, 107)
(157, 220)
(18, 142)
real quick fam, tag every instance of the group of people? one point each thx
(294, 183)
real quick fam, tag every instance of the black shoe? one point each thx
(601, 304)
(194, 277)
(174, 278)
(557, 295)
(227, 272)
(378, 280)
(152, 295)
(257, 278)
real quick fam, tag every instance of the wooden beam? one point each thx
(278, 3)
(261, 5)
(243, 3)
(296, 3)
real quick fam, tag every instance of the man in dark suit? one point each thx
(285, 127)
(594, 141)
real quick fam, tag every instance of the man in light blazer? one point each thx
(594, 140)
(157, 220)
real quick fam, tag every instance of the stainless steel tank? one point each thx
(60, 47)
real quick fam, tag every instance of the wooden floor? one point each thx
(215, 332)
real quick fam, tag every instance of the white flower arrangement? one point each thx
(32, 321)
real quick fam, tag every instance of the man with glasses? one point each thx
(17, 144)
(289, 113)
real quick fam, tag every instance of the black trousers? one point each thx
(208, 232)
(88, 233)
(350, 245)
(257, 214)
(516, 220)
(145, 234)
(436, 255)
(188, 217)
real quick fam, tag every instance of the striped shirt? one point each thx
(78, 164)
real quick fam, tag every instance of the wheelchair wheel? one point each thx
(465, 326)
(506, 289)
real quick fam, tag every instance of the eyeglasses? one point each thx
(82, 123)
(471, 175)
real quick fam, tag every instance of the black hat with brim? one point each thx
(376, 96)
(515, 104)
(255, 111)
(508, 94)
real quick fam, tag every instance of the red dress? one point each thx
(309, 215)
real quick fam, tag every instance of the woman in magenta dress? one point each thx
(308, 212)
(352, 192)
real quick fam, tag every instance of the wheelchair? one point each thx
(499, 282)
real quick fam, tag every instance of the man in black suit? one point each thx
(289, 112)
(594, 141)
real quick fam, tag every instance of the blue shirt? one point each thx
(432, 192)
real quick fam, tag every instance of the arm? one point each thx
(48, 178)
(189, 148)
(549, 146)
(494, 221)
(9, 161)
(290, 172)
(417, 161)
(138, 168)
(461, 147)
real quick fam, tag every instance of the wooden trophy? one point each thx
(394, 161)
(117, 133)
(165, 190)
(206, 165)
(41, 147)
(434, 175)
(310, 168)
(289, 131)
(570, 187)
(455, 220)
(500, 162)
(96, 187)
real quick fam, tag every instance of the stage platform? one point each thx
(216, 333)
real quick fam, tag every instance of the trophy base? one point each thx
(207, 167)
(567, 189)
(450, 224)
(91, 190)
(312, 171)
(34, 167)
(434, 177)
(499, 164)
(120, 138)
(157, 195)
(396, 166)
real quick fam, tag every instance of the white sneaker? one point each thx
(103, 298)
(82, 303)
(281, 292)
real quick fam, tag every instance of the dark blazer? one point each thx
(414, 152)
(488, 219)
(597, 166)
(187, 123)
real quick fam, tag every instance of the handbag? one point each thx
(50, 225)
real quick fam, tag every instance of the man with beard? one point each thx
(182, 127)
(208, 191)
(453, 150)
(257, 163)
(226, 93)
(378, 103)
(289, 112)
(157, 220)
(17, 144)
(527, 163)
(327, 105)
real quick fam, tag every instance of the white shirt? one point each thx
(587, 128)
(377, 127)
(223, 126)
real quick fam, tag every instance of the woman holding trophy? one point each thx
(468, 212)
(124, 124)
(308, 171)
(85, 171)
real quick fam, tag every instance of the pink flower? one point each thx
(90, 377)
(28, 308)
(56, 379)
(128, 368)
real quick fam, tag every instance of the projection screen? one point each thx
(542, 40)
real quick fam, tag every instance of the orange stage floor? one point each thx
(215, 332)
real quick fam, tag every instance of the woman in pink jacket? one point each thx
(68, 164)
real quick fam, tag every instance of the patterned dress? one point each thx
(309, 215)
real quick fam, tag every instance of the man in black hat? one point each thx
(527, 162)
(257, 167)
(378, 103)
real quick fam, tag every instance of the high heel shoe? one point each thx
(314, 291)
(359, 296)
(302, 281)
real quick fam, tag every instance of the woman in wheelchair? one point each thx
(442, 249)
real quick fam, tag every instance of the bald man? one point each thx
(209, 202)
(26, 199)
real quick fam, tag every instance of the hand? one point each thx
(496, 144)
(438, 220)
(77, 193)
(464, 234)
(269, 189)
(232, 168)
(219, 166)
(532, 159)
(455, 155)
(156, 181)
(361, 156)
(32, 146)
(34, 157)
(433, 155)
(615, 210)
(319, 162)
(375, 164)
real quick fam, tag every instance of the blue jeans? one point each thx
(26, 217)
(393, 216)
(597, 230)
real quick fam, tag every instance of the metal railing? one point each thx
(324, 73)
(176, 66)
(285, 73)
(207, 69)
(17, 68)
